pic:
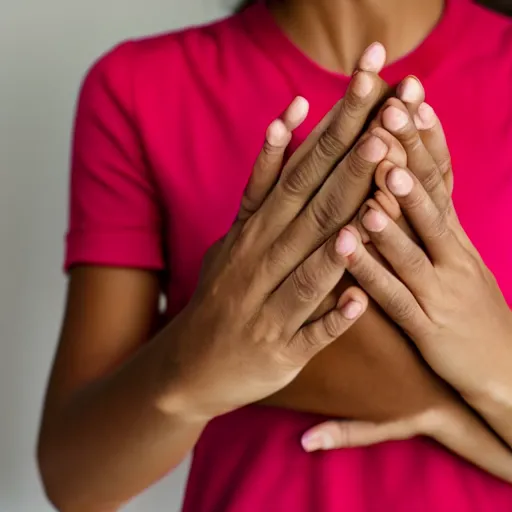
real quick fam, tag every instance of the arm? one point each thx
(103, 435)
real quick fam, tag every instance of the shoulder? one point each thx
(140, 66)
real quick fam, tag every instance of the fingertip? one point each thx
(373, 58)
(394, 119)
(317, 439)
(346, 243)
(296, 113)
(425, 118)
(277, 134)
(375, 221)
(410, 90)
(362, 84)
(399, 182)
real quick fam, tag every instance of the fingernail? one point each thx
(373, 149)
(425, 117)
(277, 133)
(373, 58)
(351, 310)
(409, 90)
(362, 85)
(374, 221)
(346, 244)
(314, 441)
(297, 111)
(399, 182)
(394, 119)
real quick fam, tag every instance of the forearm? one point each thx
(492, 394)
(111, 441)
(362, 375)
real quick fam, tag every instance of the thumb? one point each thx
(353, 433)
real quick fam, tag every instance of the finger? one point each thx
(388, 292)
(406, 258)
(330, 326)
(412, 94)
(270, 160)
(425, 218)
(312, 163)
(333, 206)
(396, 119)
(434, 139)
(300, 294)
(351, 434)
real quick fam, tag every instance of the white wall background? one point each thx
(45, 48)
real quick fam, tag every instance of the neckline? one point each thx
(421, 61)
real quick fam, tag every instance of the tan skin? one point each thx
(111, 403)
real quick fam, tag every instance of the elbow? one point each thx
(53, 485)
(56, 485)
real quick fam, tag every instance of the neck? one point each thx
(334, 33)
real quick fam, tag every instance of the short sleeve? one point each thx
(114, 212)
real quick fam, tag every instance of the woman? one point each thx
(166, 134)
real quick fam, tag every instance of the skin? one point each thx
(97, 449)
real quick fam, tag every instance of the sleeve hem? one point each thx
(129, 249)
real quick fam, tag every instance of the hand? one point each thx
(444, 296)
(435, 410)
(242, 336)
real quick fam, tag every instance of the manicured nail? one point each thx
(373, 58)
(399, 182)
(362, 84)
(425, 117)
(373, 149)
(314, 441)
(394, 119)
(409, 90)
(374, 221)
(346, 244)
(351, 310)
(277, 134)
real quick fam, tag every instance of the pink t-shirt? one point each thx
(166, 134)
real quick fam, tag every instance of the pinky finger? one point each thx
(320, 333)
(352, 434)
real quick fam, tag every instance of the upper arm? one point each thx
(114, 241)
(109, 313)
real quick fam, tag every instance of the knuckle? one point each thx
(330, 145)
(333, 325)
(323, 214)
(357, 167)
(297, 182)
(352, 108)
(431, 178)
(304, 284)
(277, 255)
(445, 165)
(402, 310)
(415, 263)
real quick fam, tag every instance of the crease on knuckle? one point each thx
(304, 285)
(333, 324)
(402, 310)
(331, 145)
(358, 169)
(410, 139)
(299, 181)
(432, 178)
(351, 108)
(323, 214)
